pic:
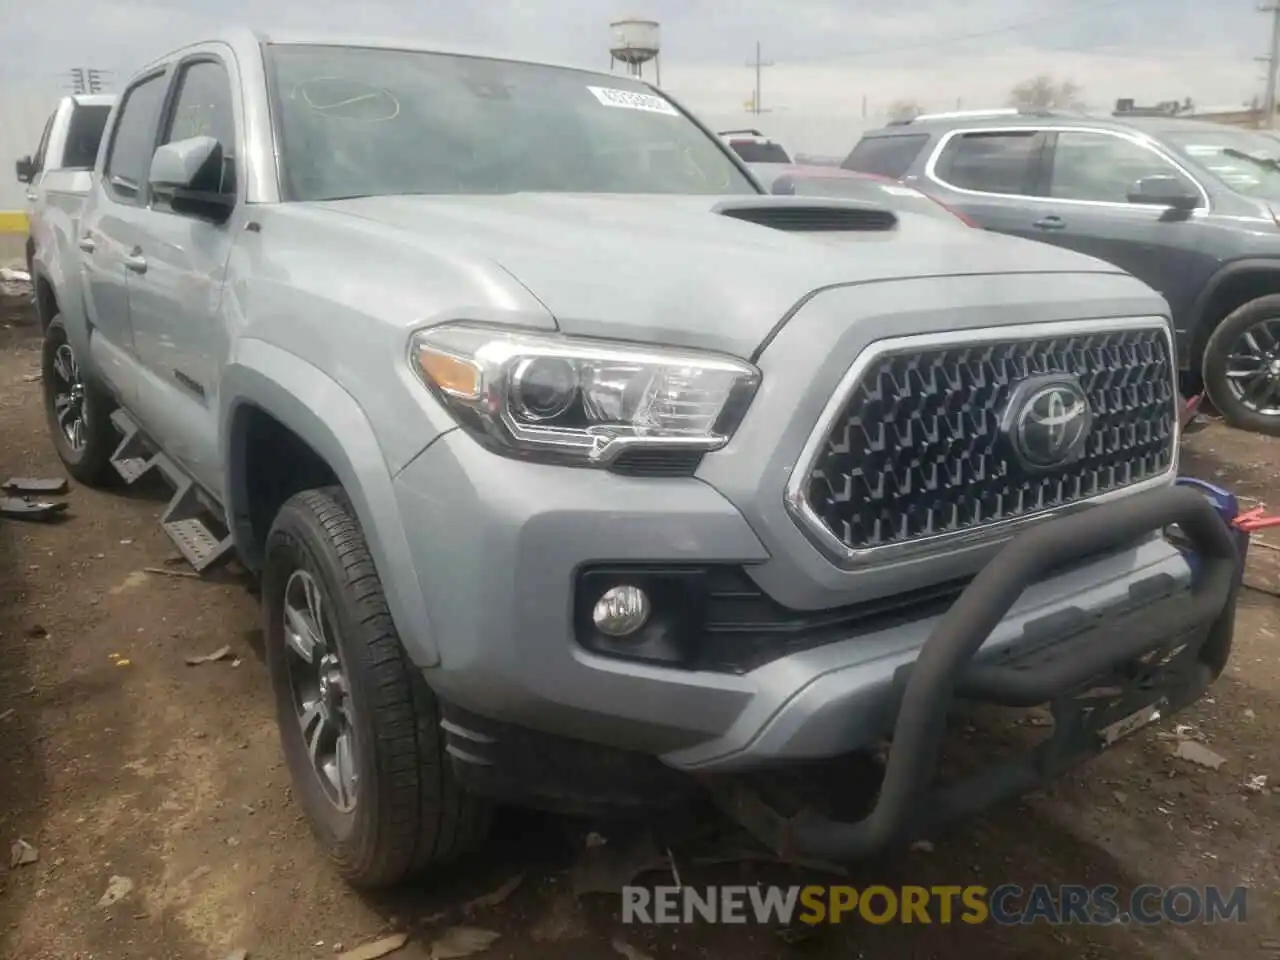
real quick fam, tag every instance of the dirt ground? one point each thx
(121, 760)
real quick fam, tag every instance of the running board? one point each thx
(132, 459)
(195, 530)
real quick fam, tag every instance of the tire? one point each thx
(408, 811)
(89, 461)
(1222, 344)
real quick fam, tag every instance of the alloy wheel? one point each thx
(321, 689)
(68, 397)
(1253, 368)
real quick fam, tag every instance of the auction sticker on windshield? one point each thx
(629, 100)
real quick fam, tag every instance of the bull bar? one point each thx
(1158, 652)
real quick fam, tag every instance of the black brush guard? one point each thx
(1161, 652)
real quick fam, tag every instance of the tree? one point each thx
(1046, 93)
(901, 110)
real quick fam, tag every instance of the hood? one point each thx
(679, 270)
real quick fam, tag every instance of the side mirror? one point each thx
(25, 169)
(189, 174)
(1164, 191)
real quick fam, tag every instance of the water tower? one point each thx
(635, 43)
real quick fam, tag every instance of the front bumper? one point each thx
(1158, 655)
(498, 554)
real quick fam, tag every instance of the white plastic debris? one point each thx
(1199, 754)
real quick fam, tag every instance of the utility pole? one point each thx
(759, 67)
(88, 80)
(1273, 66)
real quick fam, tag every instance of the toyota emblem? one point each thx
(1048, 421)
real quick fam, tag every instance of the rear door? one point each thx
(1089, 176)
(111, 228)
(990, 175)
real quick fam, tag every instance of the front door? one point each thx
(1086, 208)
(175, 298)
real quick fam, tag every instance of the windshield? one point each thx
(361, 121)
(1243, 160)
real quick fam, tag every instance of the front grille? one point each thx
(917, 449)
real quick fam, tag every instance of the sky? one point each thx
(828, 55)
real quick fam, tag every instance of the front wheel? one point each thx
(358, 724)
(78, 411)
(1242, 366)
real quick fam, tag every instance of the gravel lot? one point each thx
(121, 760)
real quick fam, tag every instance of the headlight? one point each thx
(585, 401)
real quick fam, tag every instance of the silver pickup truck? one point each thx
(578, 472)
(59, 174)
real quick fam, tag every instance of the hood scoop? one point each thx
(810, 216)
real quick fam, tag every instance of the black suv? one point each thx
(1191, 208)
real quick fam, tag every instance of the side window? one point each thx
(203, 108)
(890, 156)
(1101, 166)
(44, 143)
(133, 139)
(991, 162)
(84, 133)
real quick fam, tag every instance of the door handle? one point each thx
(1050, 222)
(136, 262)
(88, 244)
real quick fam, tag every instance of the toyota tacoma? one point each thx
(579, 473)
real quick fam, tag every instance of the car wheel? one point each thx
(359, 726)
(1242, 366)
(78, 411)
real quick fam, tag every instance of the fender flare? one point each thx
(320, 412)
(1192, 338)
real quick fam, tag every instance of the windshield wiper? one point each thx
(1267, 163)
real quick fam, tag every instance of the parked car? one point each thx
(754, 147)
(1189, 207)
(593, 484)
(808, 181)
(57, 177)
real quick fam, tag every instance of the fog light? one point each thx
(621, 611)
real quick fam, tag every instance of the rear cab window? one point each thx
(992, 161)
(886, 156)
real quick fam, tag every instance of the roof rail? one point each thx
(964, 114)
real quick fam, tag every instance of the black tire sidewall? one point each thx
(1214, 366)
(298, 540)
